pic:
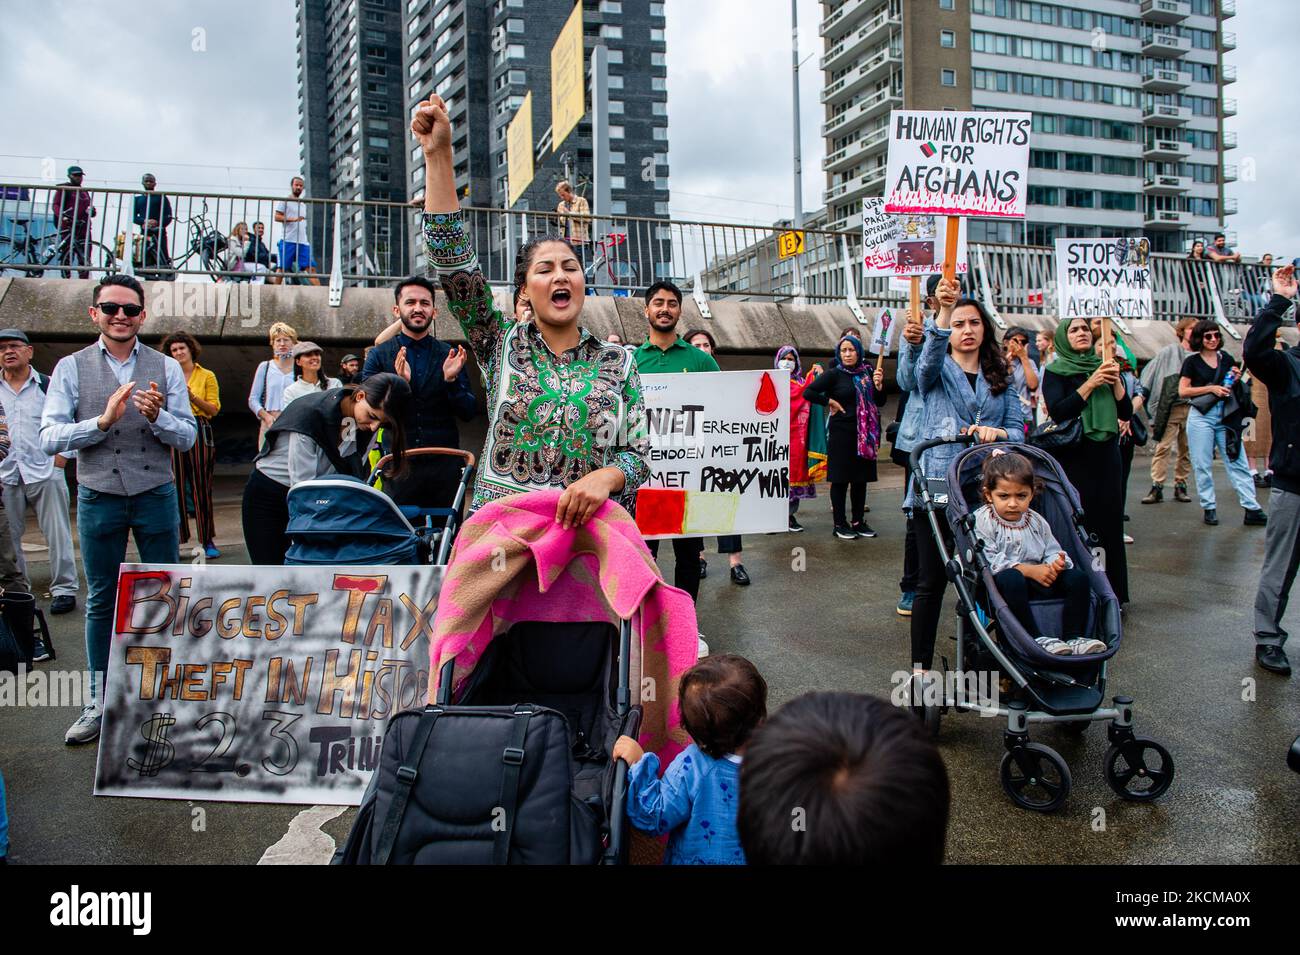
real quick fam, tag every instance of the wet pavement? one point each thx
(820, 614)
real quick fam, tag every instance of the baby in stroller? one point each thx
(1025, 558)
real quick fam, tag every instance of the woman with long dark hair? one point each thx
(319, 434)
(963, 380)
(564, 409)
(193, 469)
(1080, 384)
(854, 392)
(1198, 289)
(308, 373)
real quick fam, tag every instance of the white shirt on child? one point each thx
(1029, 541)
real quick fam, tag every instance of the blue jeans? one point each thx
(1204, 431)
(103, 523)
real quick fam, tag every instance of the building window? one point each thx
(611, 6)
(659, 109)
(616, 132)
(947, 39)
(615, 82)
(945, 4)
(616, 106)
(658, 59)
(617, 182)
(661, 208)
(661, 132)
(656, 9)
(656, 35)
(615, 56)
(611, 31)
(659, 84)
(514, 25)
(618, 207)
(948, 77)
(617, 159)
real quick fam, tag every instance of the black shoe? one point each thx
(1211, 516)
(863, 529)
(1127, 518)
(65, 603)
(1155, 495)
(704, 568)
(738, 575)
(1263, 480)
(845, 533)
(40, 651)
(1272, 658)
(1255, 518)
(795, 525)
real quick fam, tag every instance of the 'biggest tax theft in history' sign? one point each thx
(958, 164)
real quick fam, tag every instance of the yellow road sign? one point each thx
(568, 80)
(789, 243)
(519, 150)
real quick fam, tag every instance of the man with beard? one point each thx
(440, 393)
(153, 214)
(665, 352)
(295, 243)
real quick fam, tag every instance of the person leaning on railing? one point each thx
(565, 409)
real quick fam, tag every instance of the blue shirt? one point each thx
(695, 803)
(62, 432)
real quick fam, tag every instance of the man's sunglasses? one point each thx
(111, 308)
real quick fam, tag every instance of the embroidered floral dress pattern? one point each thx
(555, 418)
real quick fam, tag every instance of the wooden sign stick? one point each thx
(950, 248)
(914, 305)
(1107, 341)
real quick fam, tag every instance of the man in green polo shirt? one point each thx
(665, 353)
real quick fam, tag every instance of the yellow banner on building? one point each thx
(568, 79)
(519, 150)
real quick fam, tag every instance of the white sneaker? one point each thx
(1128, 539)
(704, 648)
(86, 729)
(1083, 645)
(1053, 645)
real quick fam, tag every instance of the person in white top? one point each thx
(29, 475)
(295, 244)
(307, 375)
(266, 397)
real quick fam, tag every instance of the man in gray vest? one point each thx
(122, 407)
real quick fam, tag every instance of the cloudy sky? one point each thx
(203, 94)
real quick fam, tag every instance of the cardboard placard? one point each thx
(1103, 277)
(906, 245)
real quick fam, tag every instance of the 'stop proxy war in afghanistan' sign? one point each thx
(958, 164)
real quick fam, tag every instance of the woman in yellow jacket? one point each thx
(193, 468)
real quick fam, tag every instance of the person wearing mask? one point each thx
(1209, 380)
(194, 468)
(665, 352)
(440, 393)
(295, 242)
(32, 478)
(1081, 384)
(1168, 413)
(965, 388)
(854, 393)
(1279, 370)
(273, 376)
(318, 435)
(153, 214)
(307, 374)
(807, 446)
(123, 407)
(73, 208)
(350, 370)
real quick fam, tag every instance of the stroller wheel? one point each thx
(1035, 777)
(1139, 769)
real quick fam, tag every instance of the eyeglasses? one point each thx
(111, 308)
(1214, 335)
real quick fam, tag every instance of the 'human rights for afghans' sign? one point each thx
(958, 164)
(260, 684)
(1108, 278)
(719, 454)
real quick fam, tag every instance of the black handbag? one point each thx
(1139, 431)
(1051, 436)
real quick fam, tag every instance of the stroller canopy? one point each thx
(342, 520)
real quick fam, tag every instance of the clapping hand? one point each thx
(454, 363)
(1284, 281)
(150, 402)
(401, 365)
(115, 407)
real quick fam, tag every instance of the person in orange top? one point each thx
(193, 468)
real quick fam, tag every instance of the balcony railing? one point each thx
(1229, 40)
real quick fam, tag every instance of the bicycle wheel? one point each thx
(15, 262)
(102, 258)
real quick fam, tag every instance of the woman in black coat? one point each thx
(854, 395)
(1079, 384)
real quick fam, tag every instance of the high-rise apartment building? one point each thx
(352, 126)
(483, 56)
(1127, 97)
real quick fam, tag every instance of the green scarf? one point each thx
(1100, 416)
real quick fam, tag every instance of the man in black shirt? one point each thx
(440, 393)
(153, 214)
(1279, 369)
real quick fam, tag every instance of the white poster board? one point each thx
(260, 684)
(719, 454)
(958, 163)
(1103, 278)
(902, 246)
(882, 333)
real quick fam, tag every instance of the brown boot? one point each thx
(1156, 496)
(1180, 493)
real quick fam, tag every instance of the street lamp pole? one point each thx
(798, 156)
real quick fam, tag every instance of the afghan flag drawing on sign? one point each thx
(928, 150)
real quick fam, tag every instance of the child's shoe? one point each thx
(1054, 646)
(1083, 645)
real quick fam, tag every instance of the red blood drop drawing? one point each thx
(767, 402)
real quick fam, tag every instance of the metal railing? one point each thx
(381, 242)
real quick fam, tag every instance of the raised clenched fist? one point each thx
(431, 126)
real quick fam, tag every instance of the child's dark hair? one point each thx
(723, 699)
(525, 258)
(860, 774)
(1008, 466)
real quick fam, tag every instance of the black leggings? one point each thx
(910, 560)
(266, 517)
(931, 582)
(858, 492)
(686, 569)
(1072, 584)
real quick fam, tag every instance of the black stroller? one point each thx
(1065, 690)
(437, 526)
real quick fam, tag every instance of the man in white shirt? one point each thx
(295, 243)
(30, 476)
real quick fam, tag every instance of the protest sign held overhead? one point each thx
(958, 164)
(902, 246)
(882, 334)
(1103, 277)
(719, 454)
(260, 684)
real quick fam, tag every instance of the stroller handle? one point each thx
(468, 456)
(914, 459)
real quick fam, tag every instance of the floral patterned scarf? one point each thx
(868, 413)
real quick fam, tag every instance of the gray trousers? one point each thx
(1281, 557)
(50, 500)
